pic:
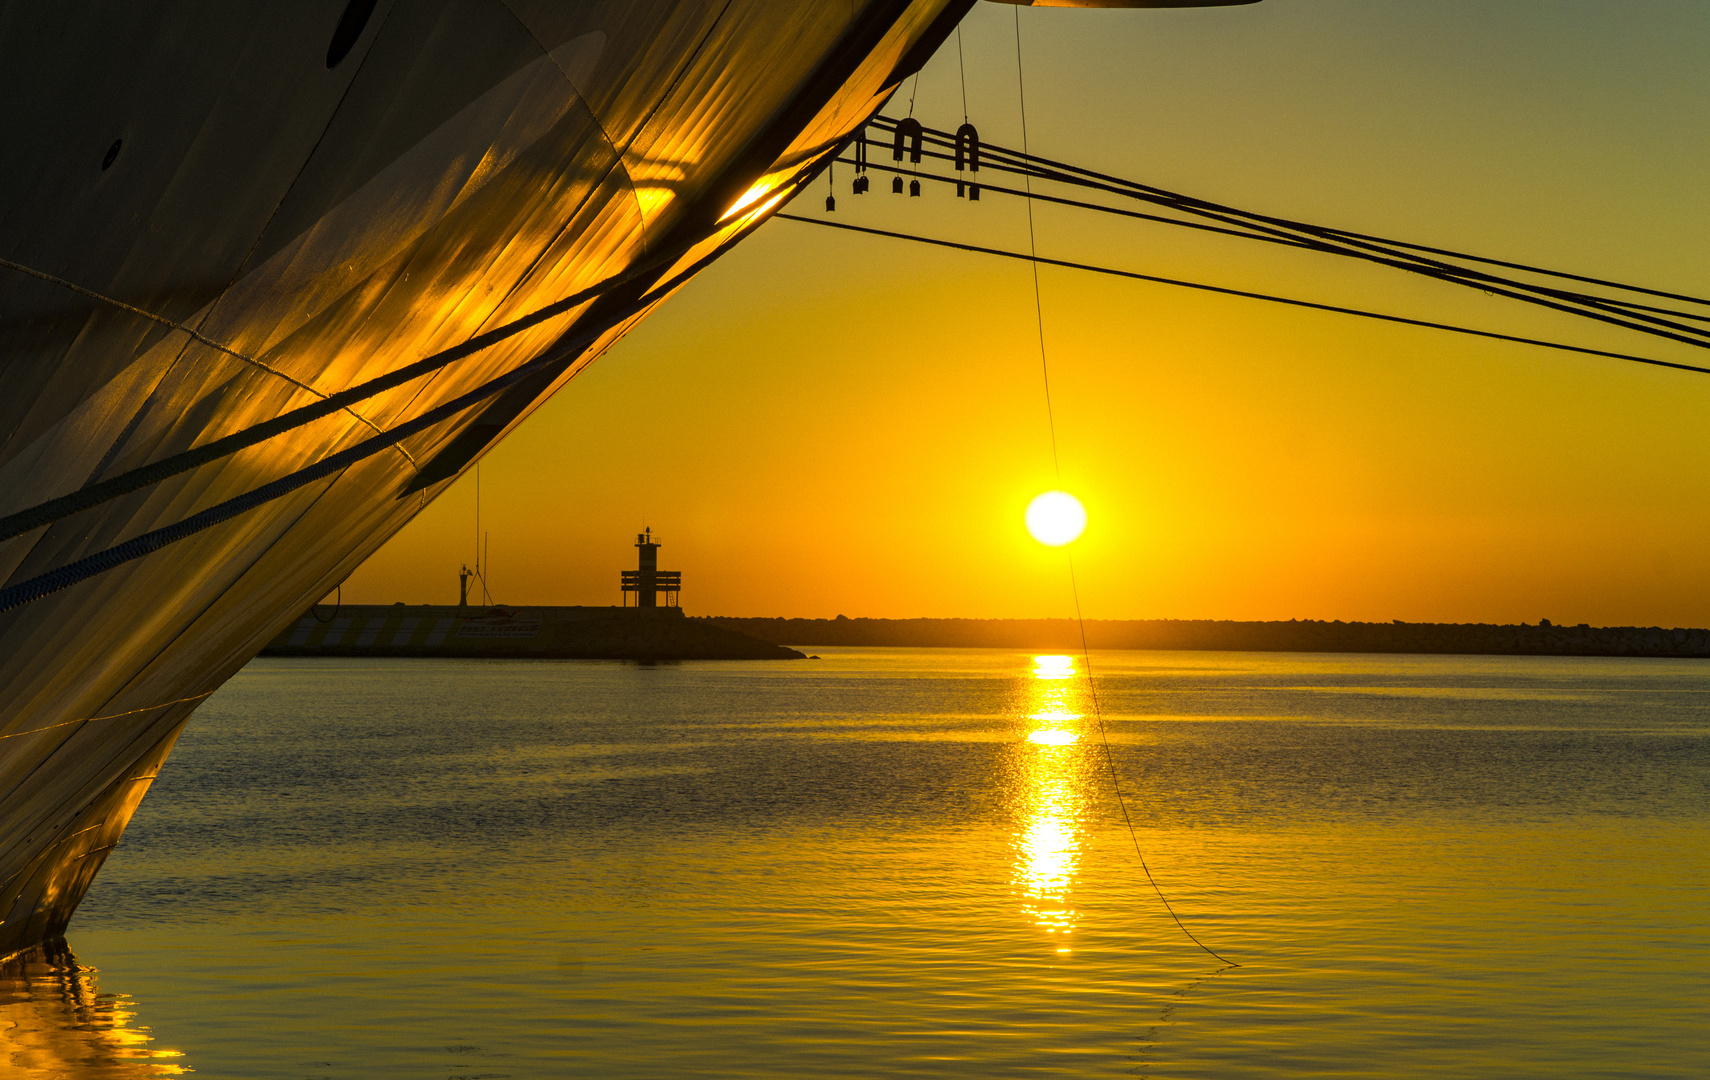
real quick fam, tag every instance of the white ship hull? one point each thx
(203, 225)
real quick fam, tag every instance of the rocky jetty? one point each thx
(547, 633)
(1542, 639)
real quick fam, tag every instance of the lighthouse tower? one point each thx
(647, 581)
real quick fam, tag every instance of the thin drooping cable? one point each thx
(193, 333)
(337, 603)
(64, 577)
(109, 716)
(478, 527)
(46, 513)
(1249, 295)
(1110, 762)
(962, 70)
(1074, 585)
(1033, 261)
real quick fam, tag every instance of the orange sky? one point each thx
(825, 423)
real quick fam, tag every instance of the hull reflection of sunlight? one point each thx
(1052, 798)
(55, 1022)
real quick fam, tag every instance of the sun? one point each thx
(1056, 518)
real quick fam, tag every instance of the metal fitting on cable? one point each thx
(968, 152)
(911, 130)
(861, 182)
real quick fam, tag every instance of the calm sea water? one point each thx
(906, 863)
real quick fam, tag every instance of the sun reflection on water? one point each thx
(1052, 797)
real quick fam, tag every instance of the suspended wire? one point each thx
(1316, 236)
(1537, 270)
(193, 333)
(338, 602)
(962, 69)
(1270, 238)
(1247, 294)
(1033, 261)
(1074, 584)
(1329, 241)
(1046, 164)
(109, 716)
(1616, 311)
(1377, 239)
(478, 576)
(1058, 200)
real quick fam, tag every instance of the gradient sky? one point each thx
(825, 423)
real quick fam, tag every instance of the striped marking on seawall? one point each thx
(405, 632)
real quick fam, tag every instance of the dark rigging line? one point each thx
(1531, 269)
(1447, 274)
(1338, 242)
(962, 69)
(1106, 178)
(1250, 295)
(1074, 584)
(1058, 200)
(1330, 241)
(1349, 245)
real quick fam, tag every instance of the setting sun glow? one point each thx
(1056, 518)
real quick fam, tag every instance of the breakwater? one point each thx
(501, 632)
(1307, 635)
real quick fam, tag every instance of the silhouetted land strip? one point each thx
(1293, 636)
(517, 633)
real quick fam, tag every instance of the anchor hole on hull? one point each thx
(349, 29)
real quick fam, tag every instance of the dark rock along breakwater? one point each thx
(505, 632)
(1310, 635)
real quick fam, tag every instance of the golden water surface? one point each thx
(905, 863)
